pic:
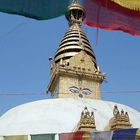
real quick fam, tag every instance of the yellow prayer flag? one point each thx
(21, 137)
(130, 4)
(138, 132)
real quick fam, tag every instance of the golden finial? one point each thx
(75, 1)
(87, 121)
(75, 13)
(120, 119)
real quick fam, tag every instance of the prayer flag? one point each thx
(43, 137)
(37, 9)
(121, 15)
(124, 134)
(138, 132)
(16, 137)
(71, 136)
(105, 135)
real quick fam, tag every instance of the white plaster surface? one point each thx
(58, 116)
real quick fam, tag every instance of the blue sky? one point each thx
(26, 45)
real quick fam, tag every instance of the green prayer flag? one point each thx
(36, 9)
(43, 137)
(22, 137)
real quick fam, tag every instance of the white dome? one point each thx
(59, 116)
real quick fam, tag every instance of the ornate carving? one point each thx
(87, 121)
(120, 120)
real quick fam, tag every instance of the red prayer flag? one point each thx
(71, 136)
(110, 15)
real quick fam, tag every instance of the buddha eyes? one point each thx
(86, 91)
(76, 90)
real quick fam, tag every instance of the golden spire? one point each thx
(74, 40)
(75, 62)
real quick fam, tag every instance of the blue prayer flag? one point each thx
(124, 134)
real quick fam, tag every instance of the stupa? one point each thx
(76, 104)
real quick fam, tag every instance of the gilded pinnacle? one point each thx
(75, 1)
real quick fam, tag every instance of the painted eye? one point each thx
(74, 89)
(86, 91)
